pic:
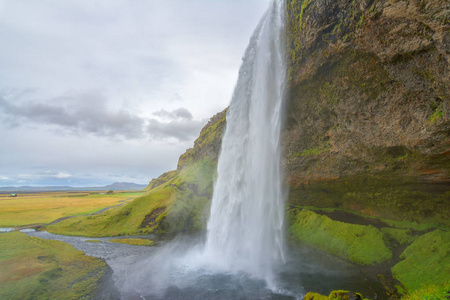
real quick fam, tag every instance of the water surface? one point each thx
(170, 270)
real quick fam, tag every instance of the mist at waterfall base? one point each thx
(242, 255)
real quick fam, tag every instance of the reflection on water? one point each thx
(172, 270)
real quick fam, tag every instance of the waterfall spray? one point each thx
(244, 231)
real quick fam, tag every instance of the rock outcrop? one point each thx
(367, 121)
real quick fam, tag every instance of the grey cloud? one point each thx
(182, 129)
(86, 117)
(179, 113)
(87, 113)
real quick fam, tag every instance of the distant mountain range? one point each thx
(117, 186)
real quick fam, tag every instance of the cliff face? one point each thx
(367, 117)
(368, 78)
(367, 134)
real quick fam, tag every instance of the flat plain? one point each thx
(46, 207)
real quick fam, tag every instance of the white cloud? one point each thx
(62, 175)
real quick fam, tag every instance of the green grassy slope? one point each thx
(33, 268)
(176, 205)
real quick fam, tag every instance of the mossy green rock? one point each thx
(426, 261)
(357, 243)
(315, 296)
(334, 295)
(344, 295)
(402, 236)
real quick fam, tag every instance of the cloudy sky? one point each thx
(98, 91)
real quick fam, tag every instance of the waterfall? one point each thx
(245, 229)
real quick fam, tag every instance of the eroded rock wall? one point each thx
(367, 125)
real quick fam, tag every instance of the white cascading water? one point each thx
(245, 229)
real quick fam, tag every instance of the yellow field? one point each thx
(45, 207)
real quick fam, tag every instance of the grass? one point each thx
(426, 261)
(176, 205)
(33, 268)
(137, 242)
(122, 220)
(358, 243)
(45, 207)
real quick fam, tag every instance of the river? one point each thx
(169, 271)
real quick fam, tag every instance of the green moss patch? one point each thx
(426, 261)
(34, 268)
(315, 296)
(136, 242)
(431, 292)
(402, 236)
(334, 295)
(194, 187)
(357, 243)
(344, 295)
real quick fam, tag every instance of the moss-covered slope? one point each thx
(358, 243)
(426, 261)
